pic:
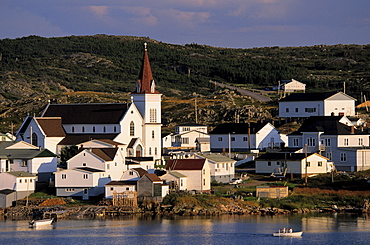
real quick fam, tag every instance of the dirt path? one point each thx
(244, 92)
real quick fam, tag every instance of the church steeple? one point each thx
(145, 83)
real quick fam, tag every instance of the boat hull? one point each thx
(288, 234)
(43, 222)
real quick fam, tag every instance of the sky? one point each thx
(219, 23)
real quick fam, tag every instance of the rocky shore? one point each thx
(151, 208)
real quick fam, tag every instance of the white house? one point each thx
(22, 156)
(187, 136)
(122, 186)
(293, 164)
(245, 136)
(291, 85)
(21, 182)
(136, 125)
(222, 168)
(197, 171)
(304, 105)
(346, 146)
(175, 180)
(83, 182)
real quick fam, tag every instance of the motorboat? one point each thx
(288, 233)
(41, 222)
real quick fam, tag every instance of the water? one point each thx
(318, 229)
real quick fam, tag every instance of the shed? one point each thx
(272, 191)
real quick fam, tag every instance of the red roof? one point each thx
(186, 164)
(52, 126)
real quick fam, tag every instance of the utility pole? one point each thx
(195, 107)
(249, 129)
(305, 154)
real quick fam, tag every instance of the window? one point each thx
(319, 164)
(83, 129)
(343, 157)
(84, 164)
(34, 139)
(153, 115)
(181, 182)
(311, 141)
(360, 141)
(328, 155)
(132, 129)
(327, 142)
(268, 163)
(73, 129)
(112, 188)
(153, 134)
(115, 129)
(150, 150)
(108, 166)
(204, 181)
(70, 190)
(204, 171)
(232, 138)
(278, 163)
(104, 129)
(25, 180)
(20, 180)
(131, 173)
(308, 164)
(346, 141)
(295, 142)
(24, 163)
(296, 109)
(185, 140)
(85, 176)
(219, 138)
(64, 176)
(155, 151)
(127, 188)
(310, 110)
(286, 109)
(245, 138)
(93, 129)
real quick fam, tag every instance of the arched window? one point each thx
(93, 129)
(155, 151)
(73, 129)
(104, 129)
(153, 115)
(83, 129)
(115, 129)
(150, 150)
(132, 129)
(153, 134)
(34, 139)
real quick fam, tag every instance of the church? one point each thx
(135, 126)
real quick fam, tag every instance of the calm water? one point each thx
(318, 229)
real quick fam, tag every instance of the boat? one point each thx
(41, 222)
(288, 234)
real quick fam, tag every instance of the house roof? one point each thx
(153, 177)
(22, 153)
(311, 96)
(186, 164)
(329, 125)
(20, 174)
(52, 126)
(140, 171)
(237, 128)
(216, 157)
(192, 125)
(75, 139)
(122, 182)
(145, 81)
(132, 142)
(6, 191)
(107, 154)
(177, 174)
(87, 113)
(286, 156)
(203, 140)
(93, 170)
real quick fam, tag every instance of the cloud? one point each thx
(184, 19)
(99, 11)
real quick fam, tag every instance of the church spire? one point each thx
(145, 83)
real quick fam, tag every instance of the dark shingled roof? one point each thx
(87, 113)
(107, 154)
(52, 127)
(93, 170)
(6, 191)
(330, 125)
(75, 139)
(186, 164)
(237, 128)
(123, 182)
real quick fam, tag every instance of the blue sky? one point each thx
(220, 23)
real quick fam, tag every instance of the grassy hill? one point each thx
(101, 68)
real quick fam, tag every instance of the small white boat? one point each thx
(41, 222)
(288, 234)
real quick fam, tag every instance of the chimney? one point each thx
(352, 129)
